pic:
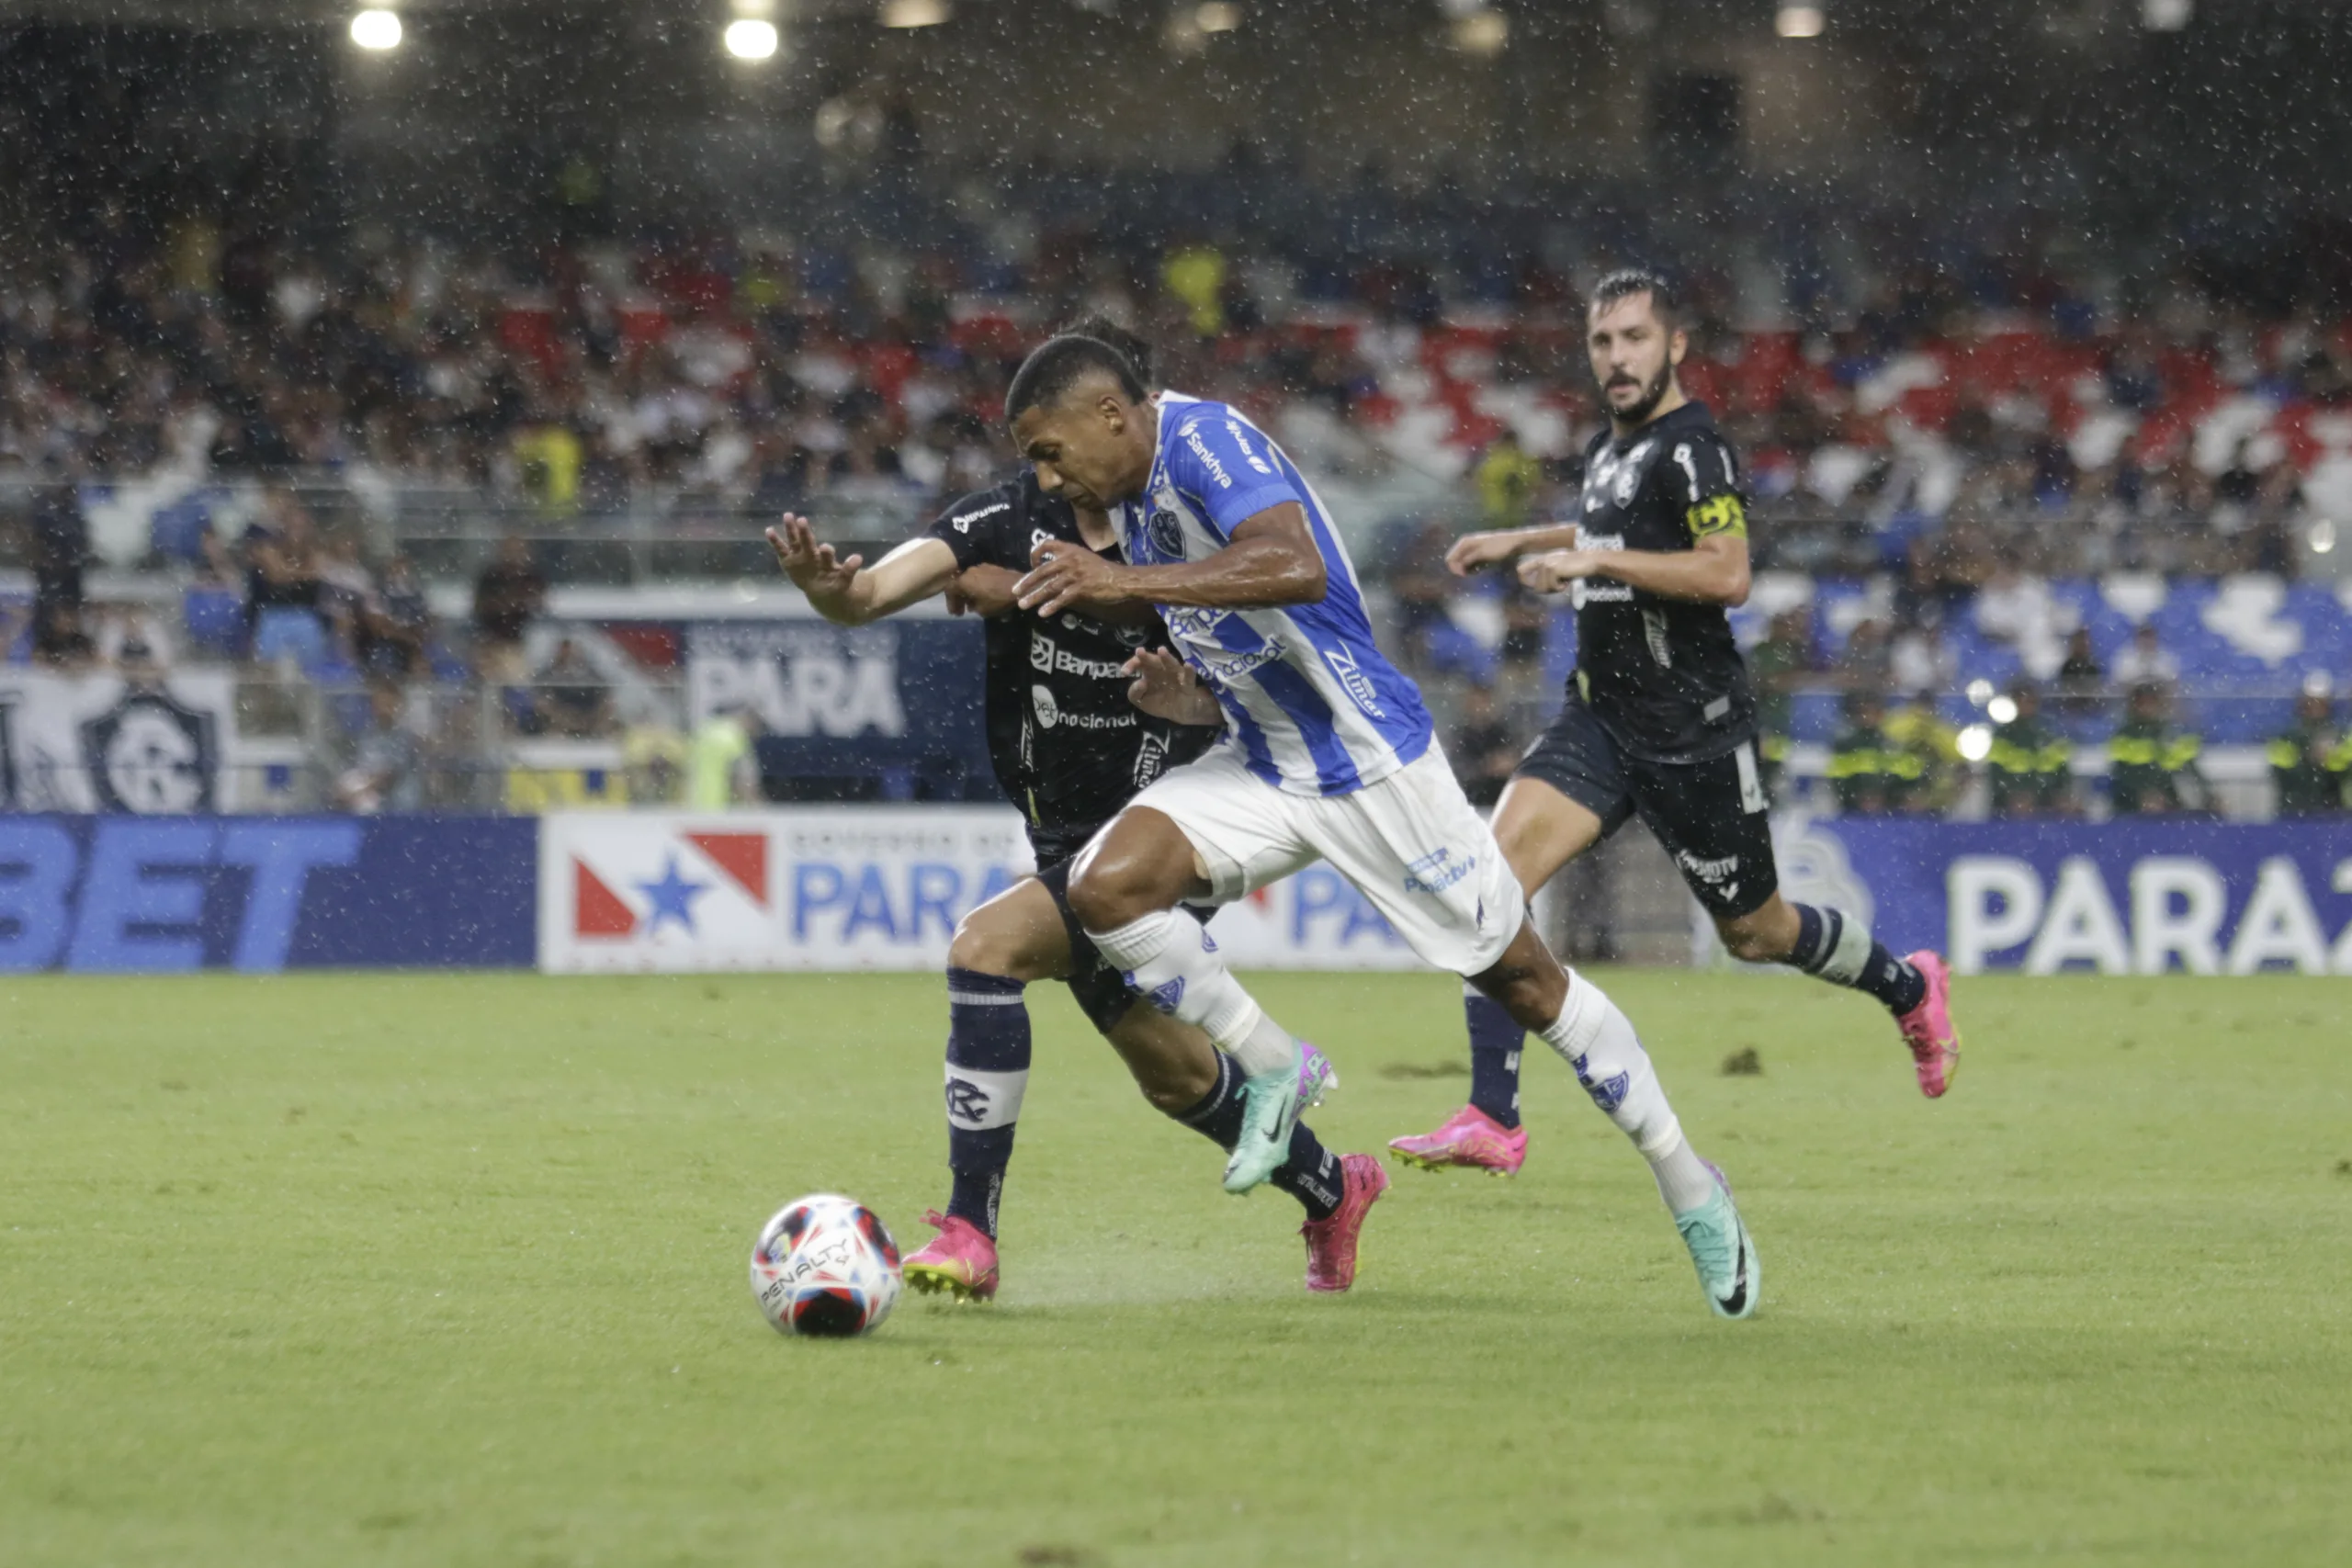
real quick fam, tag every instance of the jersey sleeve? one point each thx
(1224, 467)
(974, 526)
(1702, 478)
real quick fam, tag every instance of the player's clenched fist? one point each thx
(1554, 569)
(1475, 550)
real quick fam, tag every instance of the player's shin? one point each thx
(1496, 1038)
(1174, 963)
(1597, 1040)
(988, 1072)
(1837, 947)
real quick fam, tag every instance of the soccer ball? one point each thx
(826, 1265)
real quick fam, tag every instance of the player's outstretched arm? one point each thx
(1165, 687)
(1713, 572)
(984, 589)
(1499, 545)
(1270, 560)
(848, 592)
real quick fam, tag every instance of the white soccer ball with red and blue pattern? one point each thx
(825, 1266)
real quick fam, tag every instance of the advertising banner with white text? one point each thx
(2137, 897)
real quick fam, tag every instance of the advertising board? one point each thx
(857, 887)
(160, 895)
(2135, 896)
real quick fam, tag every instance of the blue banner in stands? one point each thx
(160, 895)
(2139, 896)
(893, 711)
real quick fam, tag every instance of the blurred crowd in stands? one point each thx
(1948, 415)
(1965, 431)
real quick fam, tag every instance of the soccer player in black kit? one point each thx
(1660, 717)
(1069, 748)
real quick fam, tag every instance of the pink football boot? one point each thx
(1927, 1029)
(1469, 1137)
(1331, 1244)
(961, 1260)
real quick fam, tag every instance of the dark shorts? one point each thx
(1711, 816)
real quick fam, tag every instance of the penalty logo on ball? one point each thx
(825, 1267)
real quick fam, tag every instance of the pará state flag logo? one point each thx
(635, 882)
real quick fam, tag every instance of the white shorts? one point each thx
(1413, 844)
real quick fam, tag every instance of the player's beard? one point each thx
(1646, 404)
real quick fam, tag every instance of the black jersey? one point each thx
(1067, 746)
(1662, 675)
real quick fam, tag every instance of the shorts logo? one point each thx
(1708, 871)
(1166, 534)
(1437, 870)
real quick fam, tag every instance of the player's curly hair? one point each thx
(1626, 282)
(1060, 363)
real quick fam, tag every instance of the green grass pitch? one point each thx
(450, 1270)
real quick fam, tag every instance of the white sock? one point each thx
(1171, 960)
(1597, 1040)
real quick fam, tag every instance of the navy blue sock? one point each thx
(1311, 1174)
(1837, 948)
(988, 1072)
(1495, 1041)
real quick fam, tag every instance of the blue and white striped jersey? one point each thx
(1314, 705)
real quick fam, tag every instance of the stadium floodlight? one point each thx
(377, 29)
(2166, 15)
(750, 38)
(914, 12)
(1481, 32)
(1800, 21)
(1975, 742)
(1217, 16)
(2002, 710)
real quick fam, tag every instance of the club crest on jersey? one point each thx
(1166, 534)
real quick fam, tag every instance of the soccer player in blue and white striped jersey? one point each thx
(1328, 754)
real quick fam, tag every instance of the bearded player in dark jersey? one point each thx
(1069, 748)
(1660, 717)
